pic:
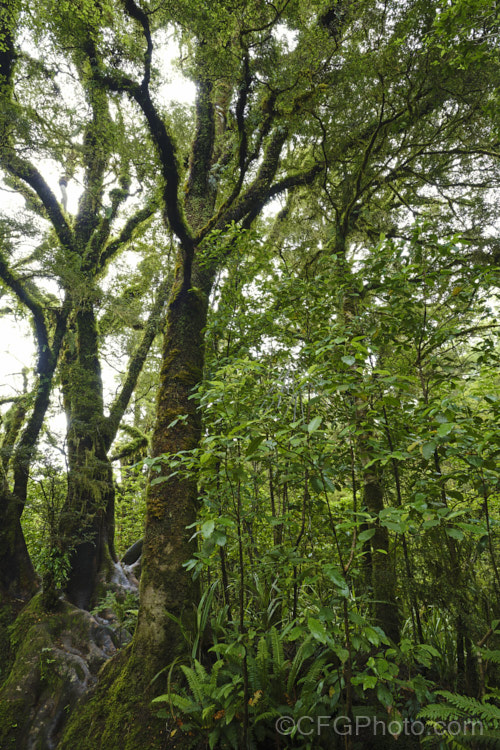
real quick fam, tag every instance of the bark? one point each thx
(18, 581)
(87, 517)
(382, 572)
(120, 713)
(87, 525)
(172, 505)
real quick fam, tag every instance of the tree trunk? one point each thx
(120, 716)
(87, 518)
(17, 577)
(381, 569)
(172, 505)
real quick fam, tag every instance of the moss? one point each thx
(48, 674)
(6, 617)
(188, 376)
(118, 716)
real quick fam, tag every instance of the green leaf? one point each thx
(336, 577)
(348, 360)
(428, 450)
(369, 682)
(444, 429)
(314, 424)
(317, 484)
(317, 629)
(254, 444)
(393, 526)
(455, 534)
(384, 695)
(219, 538)
(365, 535)
(208, 529)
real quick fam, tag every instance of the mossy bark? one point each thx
(381, 571)
(119, 714)
(57, 657)
(17, 577)
(172, 505)
(87, 518)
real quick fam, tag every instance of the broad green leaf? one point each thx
(365, 535)
(369, 682)
(348, 360)
(314, 424)
(444, 429)
(254, 444)
(207, 529)
(455, 534)
(338, 579)
(384, 695)
(317, 629)
(428, 450)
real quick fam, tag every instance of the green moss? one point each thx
(118, 716)
(6, 617)
(43, 678)
(188, 376)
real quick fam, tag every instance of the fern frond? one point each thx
(490, 655)
(297, 663)
(310, 680)
(470, 707)
(277, 650)
(194, 682)
(200, 670)
(186, 705)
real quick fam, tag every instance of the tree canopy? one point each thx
(296, 277)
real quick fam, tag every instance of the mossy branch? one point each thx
(132, 226)
(258, 192)
(24, 170)
(163, 140)
(95, 155)
(136, 363)
(201, 152)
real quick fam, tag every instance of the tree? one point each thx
(350, 115)
(76, 251)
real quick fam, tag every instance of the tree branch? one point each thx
(133, 224)
(136, 363)
(24, 170)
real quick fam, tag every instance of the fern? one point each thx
(488, 655)
(310, 680)
(488, 712)
(277, 650)
(301, 655)
(480, 721)
(194, 682)
(262, 664)
(186, 705)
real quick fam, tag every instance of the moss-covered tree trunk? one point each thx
(17, 577)
(172, 506)
(87, 519)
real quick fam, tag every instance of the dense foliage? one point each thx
(268, 320)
